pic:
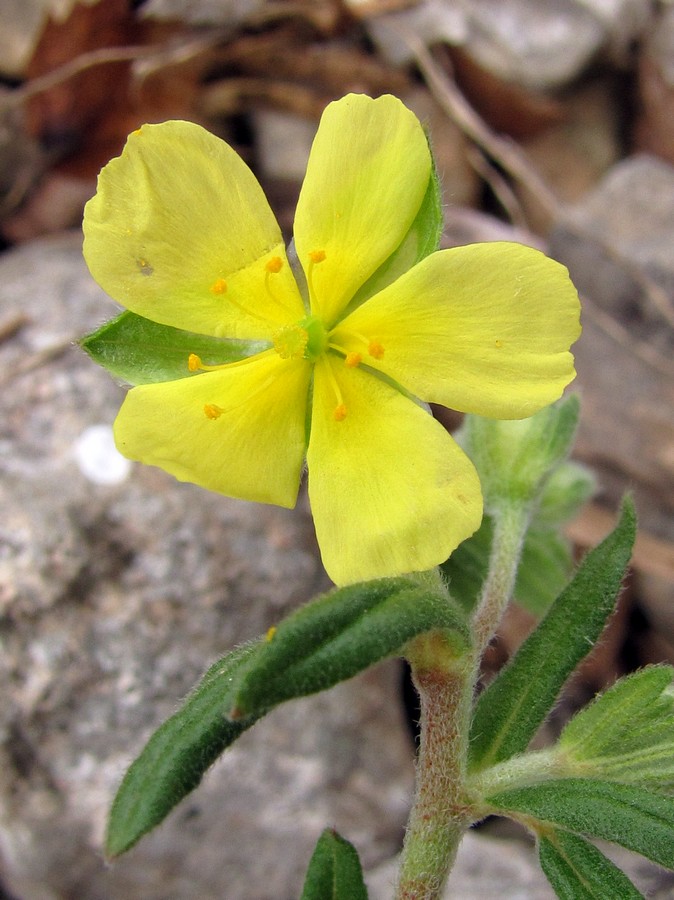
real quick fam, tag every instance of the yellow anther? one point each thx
(317, 256)
(340, 412)
(193, 362)
(274, 265)
(353, 359)
(290, 341)
(270, 633)
(212, 411)
(375, 349)
(219, 286)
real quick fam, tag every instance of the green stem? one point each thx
(441, 811)
(511, 521)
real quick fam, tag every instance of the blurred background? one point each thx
(552, 124)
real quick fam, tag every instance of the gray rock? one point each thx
(115, 594)
(617, 244)
(540, 44)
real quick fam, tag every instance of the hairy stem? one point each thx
(441, 812)
(510, 527)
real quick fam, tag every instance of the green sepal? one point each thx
(625, 814)
(343, 632)
(627, 733)
(139, 351)
(334, 871)
(578, 871)
(177, 755)
(512, 708)
(515, 458)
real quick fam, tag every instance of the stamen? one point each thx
(274, 265)
(353, 359)
(375, 349)
(340, 411)
(219, 286)
(213, 411)
(315, 257)
(195, 364)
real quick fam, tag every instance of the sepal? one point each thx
(515, 458)
(139, 351)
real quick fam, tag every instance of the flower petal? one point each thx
(483, 329)
(239, 430)
(367, 176)
(180, 232)
(390, 490)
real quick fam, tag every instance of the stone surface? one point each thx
(540, 44)
(617, 244)
(114, 597)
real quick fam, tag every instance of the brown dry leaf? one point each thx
(85, 118)
(508, 108)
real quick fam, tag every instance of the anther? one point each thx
(353, 359)
(219, 286)
(271, 631)
(340, 412)
(274, 265)
(193, 362)
(212, 411)
(375, 349)
(317, 256)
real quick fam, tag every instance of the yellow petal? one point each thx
(367, 175)
(239, 430)
(483, 329)
(180, 232)
(390, 490)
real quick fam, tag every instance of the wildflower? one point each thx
(362, 329)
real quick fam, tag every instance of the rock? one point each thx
(539, 45)
(617, 244)
(115, 595)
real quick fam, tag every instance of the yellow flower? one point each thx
(359, 331)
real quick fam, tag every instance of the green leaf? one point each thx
(334, 871)
(627, 733)
(545, 567)
(342, 633)
(139, 351)
(578, 871)
(515, 458)
(175, 758)
(631, 816)
(511, 709)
